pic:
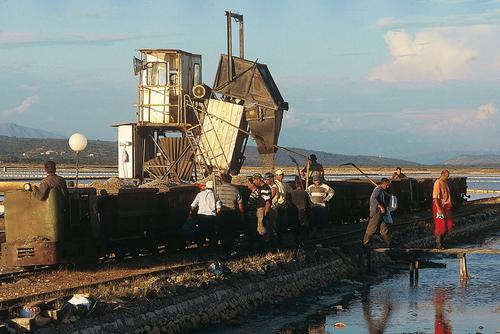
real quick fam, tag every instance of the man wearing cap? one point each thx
(378, 208)
(231, 212)
(263, 208)
(207, 204)
(279, 201)
(315, 168)
(320, 194)
(273, 213)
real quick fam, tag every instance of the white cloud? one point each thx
(429, 56)
(486, 111)
(321, 122)
(385, 22)
(25, 105)
(290, 119)
(433, 55)
(10, 39)
(450, 121)
(460, 20)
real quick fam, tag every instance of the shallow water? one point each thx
(439, 304)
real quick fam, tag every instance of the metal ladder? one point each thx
(204, 157)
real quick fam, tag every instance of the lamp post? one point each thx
(77, 142)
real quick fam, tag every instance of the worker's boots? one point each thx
(439, 242)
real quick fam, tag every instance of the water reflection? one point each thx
(376, 326)
(442, 323)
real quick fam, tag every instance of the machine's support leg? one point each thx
(464, 274)
(414, 275)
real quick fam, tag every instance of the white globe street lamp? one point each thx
(77, 142)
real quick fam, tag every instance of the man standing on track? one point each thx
(206, 205)
(320, 194)
(378, 208)
(231, 212)
(265, 228)
(441, 208)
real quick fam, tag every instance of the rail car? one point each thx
(89, 226)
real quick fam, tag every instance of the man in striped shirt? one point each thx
(264, 229)
(320, 194)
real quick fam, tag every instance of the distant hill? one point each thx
(326, 159)
(30, 150)
(19, 131)
(27, 150)
(491, 160)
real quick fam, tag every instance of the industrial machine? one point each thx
(185, 129)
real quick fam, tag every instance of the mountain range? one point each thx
(25, 144)
(15, 130)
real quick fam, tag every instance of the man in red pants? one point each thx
(441, 208)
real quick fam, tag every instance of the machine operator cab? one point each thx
(165, 76)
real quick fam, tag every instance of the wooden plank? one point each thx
(438, 251)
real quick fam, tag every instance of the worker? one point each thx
(265, 229)
(205, 205)
(230, 214)
(280, 203)
(251, 213)
(51, 181)
(315, 168)
(300, 212)
(398, 175)
(441, 208)
(272, 220)
(320, 194)
(378, 208)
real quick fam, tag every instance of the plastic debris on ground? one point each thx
(219, 269)
(339, 325)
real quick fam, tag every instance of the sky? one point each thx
(404, 79)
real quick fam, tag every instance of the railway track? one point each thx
(11, 304)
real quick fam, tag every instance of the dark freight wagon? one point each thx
(89, 226)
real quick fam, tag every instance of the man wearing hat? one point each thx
(207, 204)
(279, 201)
(263, 207)
(273, 213)
(315, 168)
(320, 194)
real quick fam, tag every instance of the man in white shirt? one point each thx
(207, 204)
(320, 194)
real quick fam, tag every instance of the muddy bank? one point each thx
(249, 288)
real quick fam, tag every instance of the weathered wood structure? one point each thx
(414, 255)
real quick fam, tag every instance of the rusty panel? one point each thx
(20, 254)
(27, 218)
(173, 147)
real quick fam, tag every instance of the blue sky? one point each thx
(394, 78)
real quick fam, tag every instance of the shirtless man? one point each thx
(441, 208)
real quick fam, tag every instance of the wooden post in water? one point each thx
(416, 272)
(412, 273)
(464, 274)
